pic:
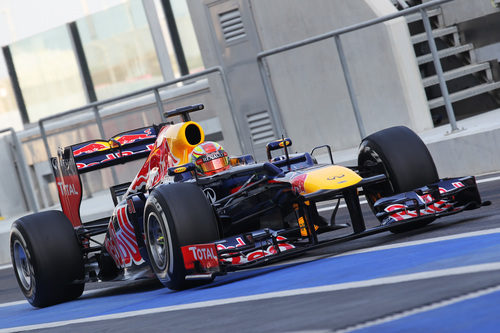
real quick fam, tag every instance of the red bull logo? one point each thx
(91, 147)
(131, 138)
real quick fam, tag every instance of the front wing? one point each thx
(446, 197)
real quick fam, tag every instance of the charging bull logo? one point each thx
(121, 243)
(131, 138)
(90, 148)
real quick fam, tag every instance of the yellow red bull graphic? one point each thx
(326, 178)
(91, 148)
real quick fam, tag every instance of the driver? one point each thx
(209, 158)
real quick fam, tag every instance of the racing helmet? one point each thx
(209, 158)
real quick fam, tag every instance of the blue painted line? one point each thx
(355, 267)
(474, 315)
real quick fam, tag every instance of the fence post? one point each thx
(26, 182)
(230, 103)
(439, 71)
(271, 96)
(350, 87)
(159, 104)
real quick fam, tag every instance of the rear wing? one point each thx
(121, 148)
(93, 155)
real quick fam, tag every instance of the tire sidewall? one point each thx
(155, 208)
(17, 234)
(405, 159)
(55, 256)
(185, 217)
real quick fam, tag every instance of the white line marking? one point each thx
(85, 293)
(3, 305)
(422, 241)
(391, 246)
(425, 308)
(5, 266)
(494, 266)
(486, 180)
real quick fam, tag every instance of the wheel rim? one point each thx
(158, 241)
(377, 191)
(23, 267)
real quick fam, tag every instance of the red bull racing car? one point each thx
(193, 212)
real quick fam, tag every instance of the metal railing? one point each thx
(155, 89)
(266, 76)
(20, 162)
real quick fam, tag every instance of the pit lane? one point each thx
(442, 277)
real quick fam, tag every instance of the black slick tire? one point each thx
(47, 258)
(176, 215)
(402, 156)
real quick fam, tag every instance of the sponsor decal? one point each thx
(210, 194)
(180, 169)
(254, 255)
(437, 207)
(212, 156)
(131, 138)
(298, 183)
(131, 207)
(90, 148)
(67, 189)
(121, 243)
(204, 254)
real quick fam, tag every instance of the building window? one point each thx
(9, 114)
(187, 36)
(48, 73)
(120, 52)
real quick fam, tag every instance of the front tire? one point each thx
(47, 258)
(402, 156)
(176, 215)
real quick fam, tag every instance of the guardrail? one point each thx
(266, 77)
(20, 161)
(155, 89)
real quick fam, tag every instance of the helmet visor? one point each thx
(214, 165)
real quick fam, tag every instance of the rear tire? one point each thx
(176, 215)
(47, 258)
(402, 156)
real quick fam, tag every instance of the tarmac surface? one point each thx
(444, 277)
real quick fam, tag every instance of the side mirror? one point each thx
(188, 167)
(277, 144)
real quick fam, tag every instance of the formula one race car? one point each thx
(192, 212)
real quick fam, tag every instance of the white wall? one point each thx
(309, 83)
